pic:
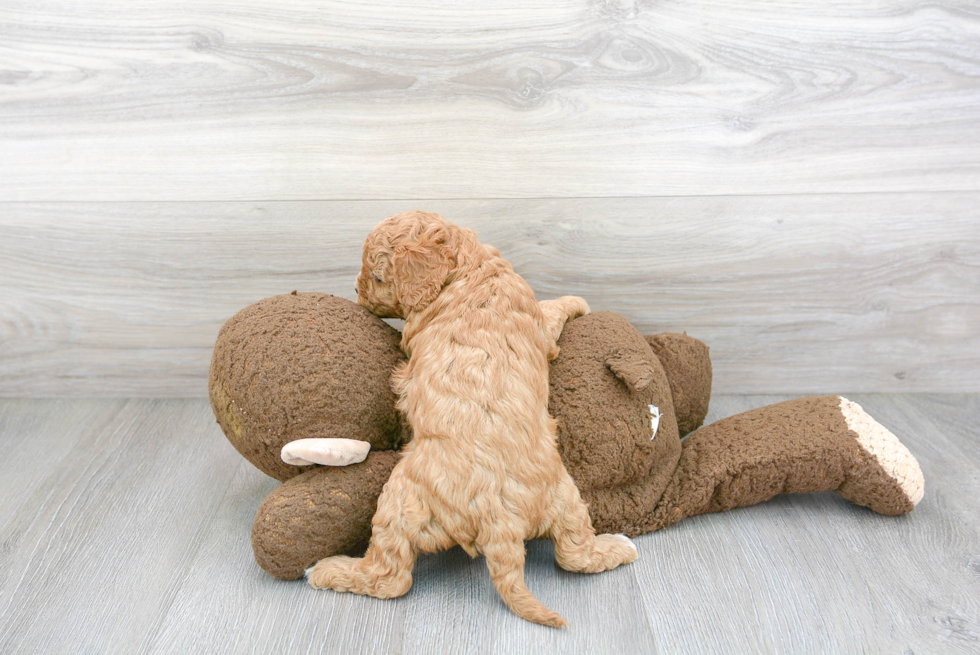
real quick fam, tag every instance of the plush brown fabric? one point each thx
(797, 446)
(325, 511)
(627, 509)
(304, 365)
(688, 367)
(311, 365)
(602, 384)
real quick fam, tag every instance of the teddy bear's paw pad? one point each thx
(328, 452)
(891, 455)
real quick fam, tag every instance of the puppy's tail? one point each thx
(506, 564)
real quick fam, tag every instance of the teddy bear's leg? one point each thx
(577, 546)
(402, 526)
(325, 511)
(822, 443)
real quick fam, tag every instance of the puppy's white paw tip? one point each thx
(628, 541)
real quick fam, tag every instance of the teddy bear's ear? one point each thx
(632, 368)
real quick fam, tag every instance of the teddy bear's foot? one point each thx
(886, 477)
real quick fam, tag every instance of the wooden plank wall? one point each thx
(796, 183)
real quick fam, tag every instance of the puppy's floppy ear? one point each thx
(382, 265)
(632, 368)
(421, 267)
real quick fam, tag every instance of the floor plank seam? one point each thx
(269, 201)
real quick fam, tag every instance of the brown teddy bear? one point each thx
(303, 378)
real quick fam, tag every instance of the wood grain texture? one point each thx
(457, 610)
(802, 294)
(813, 573)
(92, 558)
(41, 440)
(291, 100)
(137, 541)
(451, 608)
(250, 611)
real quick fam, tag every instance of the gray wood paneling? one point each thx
(802, 294)
(138, 541)
(297, 100)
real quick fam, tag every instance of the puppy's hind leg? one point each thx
(577, 546)
(385, 571)
(505, 560)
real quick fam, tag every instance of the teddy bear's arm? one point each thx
(825, 443)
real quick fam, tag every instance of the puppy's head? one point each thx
(407, 260)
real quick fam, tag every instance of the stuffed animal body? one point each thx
(301, 370)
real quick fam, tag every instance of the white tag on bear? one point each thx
(325, 451)
(654, 420)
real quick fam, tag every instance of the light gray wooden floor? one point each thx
(125, 528)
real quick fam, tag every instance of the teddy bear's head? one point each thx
(611, 400)
(614, 403)
(304, 365)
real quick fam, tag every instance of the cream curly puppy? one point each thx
(482, 469)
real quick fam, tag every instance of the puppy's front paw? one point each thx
(575, 306)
